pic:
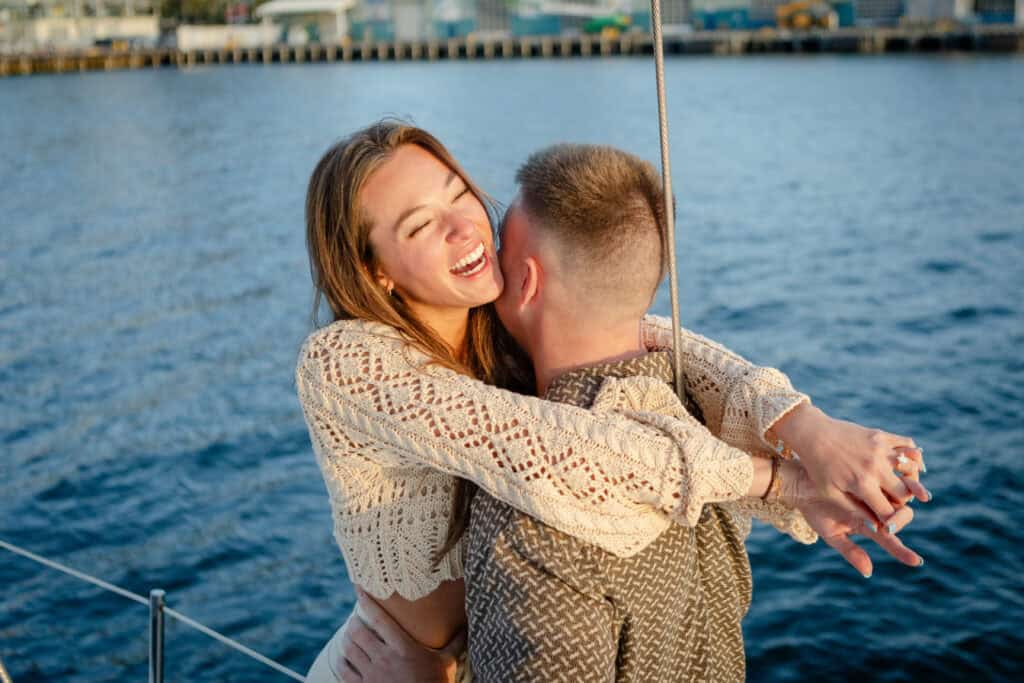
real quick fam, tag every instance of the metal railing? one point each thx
(157, 610)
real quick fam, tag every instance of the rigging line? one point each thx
(231, 643)
(173, 613)
(74, 572)
(666, 180)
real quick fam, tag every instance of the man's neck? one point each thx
(561, 344)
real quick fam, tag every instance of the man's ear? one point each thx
(532, 279)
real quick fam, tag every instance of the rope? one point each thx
(188, 621)
(666, 181)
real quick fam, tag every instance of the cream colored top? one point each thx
(391, 431)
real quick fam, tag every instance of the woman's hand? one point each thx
(375, 649)
(854, 466)
(835, 523)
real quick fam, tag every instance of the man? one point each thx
(582, 255)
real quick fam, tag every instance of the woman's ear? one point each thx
(386, 283)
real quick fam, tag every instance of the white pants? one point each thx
(326, 666)
(324, 669)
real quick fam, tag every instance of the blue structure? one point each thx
(536, 25)
(847, 12)
(726, 18)
(376, 29)
(454, 29)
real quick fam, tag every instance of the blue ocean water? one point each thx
(856, 222)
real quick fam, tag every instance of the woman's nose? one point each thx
(460, 228)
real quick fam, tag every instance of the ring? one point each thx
(903, 466)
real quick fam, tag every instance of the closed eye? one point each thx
(415, 230)
(462, 194)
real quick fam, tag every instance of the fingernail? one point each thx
(920, 562)
(924, 470)
(912, 499)
(892, 528)
(902, 459)
(872, 526)
(868, 575)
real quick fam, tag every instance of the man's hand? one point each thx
(377, 650)
(855, 466)
(835, 523)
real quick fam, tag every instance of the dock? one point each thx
(980, 38)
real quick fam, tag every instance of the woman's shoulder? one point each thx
(354, 333)
(351, 344)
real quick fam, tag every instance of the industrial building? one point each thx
(46, 24)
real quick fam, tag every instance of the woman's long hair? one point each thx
(342, 263)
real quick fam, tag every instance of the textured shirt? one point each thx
(544, 606)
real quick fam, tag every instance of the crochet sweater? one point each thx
(391, 430)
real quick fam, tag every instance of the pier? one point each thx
(980, 38)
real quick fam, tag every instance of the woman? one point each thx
(397, 399)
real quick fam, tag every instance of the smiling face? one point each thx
(431, 236)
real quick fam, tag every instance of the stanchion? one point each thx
(156, 636)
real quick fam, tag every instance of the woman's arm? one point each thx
(756, 408)
(370, 402)
(740, 401)
(377, 648)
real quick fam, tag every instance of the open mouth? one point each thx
(472, 263)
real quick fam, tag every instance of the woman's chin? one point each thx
(482, 287)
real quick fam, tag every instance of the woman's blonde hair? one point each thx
(343, 266)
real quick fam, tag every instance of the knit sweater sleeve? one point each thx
(651, 401)
(380, 416)
(740, 401)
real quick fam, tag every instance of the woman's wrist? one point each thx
(762, 478)
(796, 431)
(795, 488)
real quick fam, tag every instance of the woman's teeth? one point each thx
(472, 263)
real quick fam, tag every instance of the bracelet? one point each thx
(774, 481)
(780, 447)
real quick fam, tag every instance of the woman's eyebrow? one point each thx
(408, 212)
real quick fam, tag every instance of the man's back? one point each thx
(543, 605)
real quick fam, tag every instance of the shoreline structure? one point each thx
(874, 40)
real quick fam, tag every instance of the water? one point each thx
(857, 222)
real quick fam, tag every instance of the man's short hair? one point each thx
(602, 210)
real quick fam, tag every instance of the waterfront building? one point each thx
(713, 15)
(417, 19)
(762, 12)
(928, 11)
(878, 12)
(547, 17)
(1000, 11)
(454, 18)
(675, 15)
(493, 17)
(29, 25)
(372, 20)
(297, 22)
